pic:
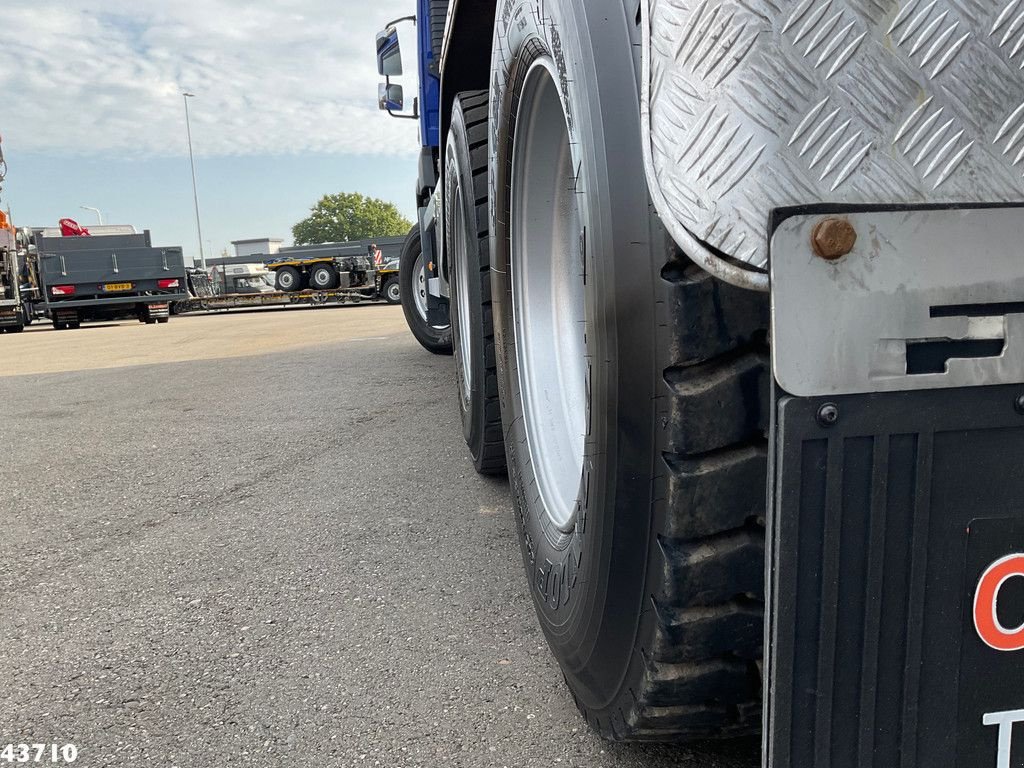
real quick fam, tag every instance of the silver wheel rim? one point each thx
(286, 279)
(321, 277)
(419, 286)
(394, 292)
(548, 294)
(460, 253)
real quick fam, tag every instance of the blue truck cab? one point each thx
(426, 301)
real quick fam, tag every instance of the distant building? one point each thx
(260, 246)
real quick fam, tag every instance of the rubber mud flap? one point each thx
(887, 511)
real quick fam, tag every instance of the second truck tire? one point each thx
(466, 230)
(412, 273)
(634, 389)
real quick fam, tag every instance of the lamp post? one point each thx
(99, 214)
(195, 191)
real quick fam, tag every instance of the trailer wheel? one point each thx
(413, 290)
(392, 291)
(288, 279)
(59, 326)
(468, 249)
(634, 390)
(323, 277)
(162, 320)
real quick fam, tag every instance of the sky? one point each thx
(91, 113)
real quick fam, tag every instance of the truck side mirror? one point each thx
(391, 97)
(389, 53)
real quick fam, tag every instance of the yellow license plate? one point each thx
(109, 287)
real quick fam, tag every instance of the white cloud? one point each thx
(81, 77)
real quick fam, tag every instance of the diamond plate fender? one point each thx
(752, 105)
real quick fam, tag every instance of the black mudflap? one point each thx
(889, 512)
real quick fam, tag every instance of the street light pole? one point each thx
(195, 191)
(99, 214)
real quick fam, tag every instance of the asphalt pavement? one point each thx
(223, 553)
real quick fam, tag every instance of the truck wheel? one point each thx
(323, 277)
(634, 390)
(392, 291)
(288, 279)
(466, 228)
(162, 320)
(413, 290)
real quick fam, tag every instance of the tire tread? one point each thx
(475, 106)
(701, 663)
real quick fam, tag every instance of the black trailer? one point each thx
(108, 277)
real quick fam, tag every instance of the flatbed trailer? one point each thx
(276, 299)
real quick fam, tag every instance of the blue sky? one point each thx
(285, 112)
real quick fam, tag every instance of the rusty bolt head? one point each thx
(833, 238)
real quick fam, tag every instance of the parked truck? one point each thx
(12, 308)
(736, 298)
(105, 277)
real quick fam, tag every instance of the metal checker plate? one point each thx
(760, 104)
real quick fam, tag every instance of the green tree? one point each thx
(350, 216)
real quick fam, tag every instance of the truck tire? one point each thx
(413, 289)
(288, 279)
(469, 259)
(634, 390)
(323, 277)
(392, 291)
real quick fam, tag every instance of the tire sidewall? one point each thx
(589, 584)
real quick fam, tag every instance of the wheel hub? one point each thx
(419, 286)
(548, 294)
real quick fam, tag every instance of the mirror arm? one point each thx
(399, 21)
(415, 111)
